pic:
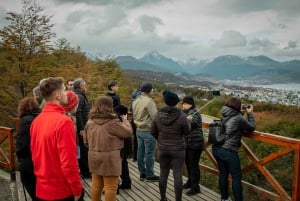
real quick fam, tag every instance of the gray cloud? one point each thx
(290, 7)
(123, 3)
(148, 23)
(261, 44)
(230, 39)
(291, 45)
(3, 22)
(112, 17)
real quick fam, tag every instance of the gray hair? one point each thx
(78, 82)
(36, 91)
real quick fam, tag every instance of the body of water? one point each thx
(286, 86)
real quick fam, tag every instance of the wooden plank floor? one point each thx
(148, 191)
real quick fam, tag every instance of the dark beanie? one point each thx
(170, 98)
(189, 100)
(146, 87)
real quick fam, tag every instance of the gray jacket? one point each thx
(235, 126)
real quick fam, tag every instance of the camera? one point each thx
(245, 106)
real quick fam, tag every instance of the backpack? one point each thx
(216, 134)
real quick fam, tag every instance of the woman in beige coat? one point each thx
(104, 136)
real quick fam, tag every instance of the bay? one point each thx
(283, 86)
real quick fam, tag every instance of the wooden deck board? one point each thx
(147, 191)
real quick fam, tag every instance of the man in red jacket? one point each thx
(53, 147)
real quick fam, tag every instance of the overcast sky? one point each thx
(179, 29)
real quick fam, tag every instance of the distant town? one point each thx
(274, 96)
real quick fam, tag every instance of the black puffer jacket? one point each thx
(235, 126)
(169, 127)
(115, 97)
(23, 142)
(82, 110)
(195, 139)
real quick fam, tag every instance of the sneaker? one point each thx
(154, 178)
(186, 186)
(193, 192)
(228, 199)
(142, 177)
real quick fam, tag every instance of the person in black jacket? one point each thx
(194, 146)
(28, 109)
(169, 127)
(113, 87)
(82, 113)
(226, 155)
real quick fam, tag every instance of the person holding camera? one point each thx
(113, 89)
(226, 154)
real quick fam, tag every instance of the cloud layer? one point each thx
(178, 29)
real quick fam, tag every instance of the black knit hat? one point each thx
(170, 98)
(189, 100)
(146, 87)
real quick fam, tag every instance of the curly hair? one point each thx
(27, 105)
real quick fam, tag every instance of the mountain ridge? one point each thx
(225, 67)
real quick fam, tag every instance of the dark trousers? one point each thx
(192, 157)
(126, 181)
(168, 160)
(29, 181)
(83, 160)
(229, 163)
(135, 144)
(71, 198)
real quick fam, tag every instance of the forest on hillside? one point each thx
(27, 55)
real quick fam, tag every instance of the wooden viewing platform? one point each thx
(147, 191)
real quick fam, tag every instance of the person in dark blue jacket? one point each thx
(28, 109)
(226, 155)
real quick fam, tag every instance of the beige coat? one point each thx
(144, 110)
(104, 138)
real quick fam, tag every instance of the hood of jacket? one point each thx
(103, 118)
(168, 114)
(228, 112)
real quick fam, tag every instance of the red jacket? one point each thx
(54, 155)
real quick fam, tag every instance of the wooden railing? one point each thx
(288, 145)
(7, 159)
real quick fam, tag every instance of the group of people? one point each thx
(60, 139)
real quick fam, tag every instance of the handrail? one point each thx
(7, 158)
(288, 145)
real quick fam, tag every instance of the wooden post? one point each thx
(296, 180)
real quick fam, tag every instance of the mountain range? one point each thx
(260, 69)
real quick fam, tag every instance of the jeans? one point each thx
(192, 157)
(145, 153)
(168, 160)
(229, 162)
(110, 185)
